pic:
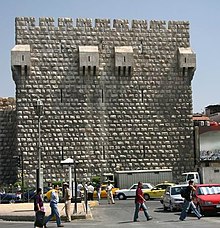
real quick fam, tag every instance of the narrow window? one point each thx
(102, 95)
(62, 155)
(84, 70)
(144, 150)
(124, 59)
(103, 151)
(94, 70)
(129, 71)
(89, 59)
(184, 71)
(61, 95)
(124, 71)
(25, 71)
(119, 71)
(142, 96)
(185, 60)
(22, 57)
(141, 46)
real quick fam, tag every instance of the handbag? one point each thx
(39, 222)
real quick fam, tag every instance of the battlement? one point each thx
(29, 23)
(7, 103)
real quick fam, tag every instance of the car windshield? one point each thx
(176, 190)
(209, 190)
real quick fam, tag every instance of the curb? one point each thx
(80, 215)
(32, 218)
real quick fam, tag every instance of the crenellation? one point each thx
(67, 24)
(141, 24)
(121, 25)
(158, 25)
(103, 23)
(84, 23)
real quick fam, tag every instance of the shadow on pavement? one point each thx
(125, 222)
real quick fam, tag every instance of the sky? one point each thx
(204, 18)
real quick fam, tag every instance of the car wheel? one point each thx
(121, 196)
(146, 197)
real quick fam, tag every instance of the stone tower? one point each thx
(114, 96)
(9, 161)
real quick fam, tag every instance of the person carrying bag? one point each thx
(39, 209)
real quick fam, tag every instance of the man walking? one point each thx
(90, 190)
(188, 203)
(109, 188)
(53, 205)
(139, 203)
(67, 201)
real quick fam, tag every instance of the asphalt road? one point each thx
(121, 215)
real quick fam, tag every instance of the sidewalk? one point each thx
(25, 212)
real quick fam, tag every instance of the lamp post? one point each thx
(22, 175)
(70, 162)
(39, 111)
(20, 164)
(75, 199)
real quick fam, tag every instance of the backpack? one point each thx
(48, 195)
(183, 193)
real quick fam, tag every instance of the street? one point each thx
(121, 215)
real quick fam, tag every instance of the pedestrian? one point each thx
(98, 189)
(139, 203)
(90, 190)
(39, 209)
(188, 203)
(86, 191)
(67, 201)
(79, 189)
(109, 188)
(53, 205)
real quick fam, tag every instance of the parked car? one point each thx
(157, 191)
(9, 198)
(104, 192)
(172, 198)
(30, 194)
(123, 194)
(207, 198)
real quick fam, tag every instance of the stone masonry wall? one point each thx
(8, 162)
(104, 121)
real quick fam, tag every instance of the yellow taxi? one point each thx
(104, 192)
(157, 191)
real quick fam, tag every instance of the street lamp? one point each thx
(69, 162)
(39, 111)
(20, 164)
(75, 199)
